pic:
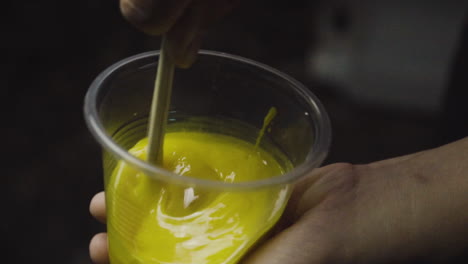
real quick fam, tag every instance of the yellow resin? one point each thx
(151, 221)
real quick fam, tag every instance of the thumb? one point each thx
(318, 203)
(302, 243)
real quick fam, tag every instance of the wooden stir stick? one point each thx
(160, 105)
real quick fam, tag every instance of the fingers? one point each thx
(184, 21)
(154, 17)
(186, 35)
(98, 246)
(98, 250)
(97, 207)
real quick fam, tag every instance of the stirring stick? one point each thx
(160, 105)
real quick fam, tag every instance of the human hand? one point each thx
(98, 245)
(403, 209)
(183, 21)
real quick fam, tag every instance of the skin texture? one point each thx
(410, 208)
(184, 22)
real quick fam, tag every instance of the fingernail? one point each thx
(136, 11)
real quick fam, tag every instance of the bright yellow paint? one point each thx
(154, 222)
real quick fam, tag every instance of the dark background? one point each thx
(52, 50)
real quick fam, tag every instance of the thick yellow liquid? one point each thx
(150, 221)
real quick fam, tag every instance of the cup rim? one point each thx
(314, 158)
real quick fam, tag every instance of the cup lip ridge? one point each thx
(314, 158)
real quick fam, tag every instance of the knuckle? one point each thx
(341, 175)
(143, 18)
(341, 183)
(131, 12)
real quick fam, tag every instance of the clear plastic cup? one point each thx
(220, 94)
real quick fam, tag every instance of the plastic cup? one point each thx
(220, 93)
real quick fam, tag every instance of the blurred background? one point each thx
(391, 74)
